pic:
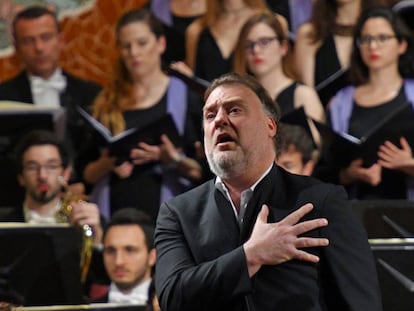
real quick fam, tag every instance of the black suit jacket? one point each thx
(201, 263)
(77, 92)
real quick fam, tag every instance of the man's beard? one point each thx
(128, 286)
(43, 197)
(228, 164)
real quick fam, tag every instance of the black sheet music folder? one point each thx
(345, 148)
(40, 265)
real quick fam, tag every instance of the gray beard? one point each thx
(227, 167)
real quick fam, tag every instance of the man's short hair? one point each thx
(38, 138)
(296, 136)
(133, 216)
(33, 12)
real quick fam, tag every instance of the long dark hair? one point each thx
(108, 107)
(324, 14)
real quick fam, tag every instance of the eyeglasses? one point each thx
(34, 169)
(380, 40)
(262, 43)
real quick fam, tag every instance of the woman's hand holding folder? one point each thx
(357, 172)
(395, 158)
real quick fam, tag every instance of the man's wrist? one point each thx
(252, 261)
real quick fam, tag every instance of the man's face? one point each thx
(127, 259)
(237, 131)
(291, 160)
(38, 44)
(42, 165)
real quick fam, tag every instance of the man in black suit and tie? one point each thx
(257, 237)
(38, 44)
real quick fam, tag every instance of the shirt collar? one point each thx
(219, 184)
(138, 295)
(245, 195)
(32, 216)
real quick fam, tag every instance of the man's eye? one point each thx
(383, 38)
(109, 251)
(209, 116)
(235, 110)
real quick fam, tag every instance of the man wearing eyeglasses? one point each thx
(43, 170)
(43, 83)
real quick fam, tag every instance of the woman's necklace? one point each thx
(343, 30)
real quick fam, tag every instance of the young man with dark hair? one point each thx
(43, 171)
(296, 153)
(129, 256)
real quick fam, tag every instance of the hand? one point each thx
(124, 170)
(77, 188)
(182, 68)
(145, 154)
(199, 150)
(169, 153)
(392, 157)
(87, 213)
(275, 243)
(355, 171)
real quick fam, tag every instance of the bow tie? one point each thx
(57, 82)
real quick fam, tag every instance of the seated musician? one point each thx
(43, 170)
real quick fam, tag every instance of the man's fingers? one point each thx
(404, 144)
(304, 256)
(297, 215)
(309, 225)
(311, 242)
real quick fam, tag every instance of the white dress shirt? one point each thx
(138, 295)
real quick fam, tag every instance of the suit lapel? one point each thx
(270, 191)
(225, 210)
(65, 97)
(24, 90)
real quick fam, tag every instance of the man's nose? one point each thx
(119, 258)
(38, 44)
(43, 172)
(221, 118)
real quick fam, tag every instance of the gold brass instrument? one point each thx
(87, 231)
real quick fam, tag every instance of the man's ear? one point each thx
(308, 168)
(152, 257)
(272, 126)
(66, 173)
(20, 179)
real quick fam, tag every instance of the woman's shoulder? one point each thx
(195, 28)
(305, 31)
